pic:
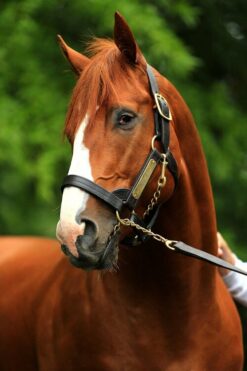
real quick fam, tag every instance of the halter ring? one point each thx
(153, 140)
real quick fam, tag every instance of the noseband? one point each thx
(128, 198)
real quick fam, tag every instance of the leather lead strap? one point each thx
(183, 248)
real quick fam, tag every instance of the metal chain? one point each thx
(116, 229)
(129, 223)
(161, 184)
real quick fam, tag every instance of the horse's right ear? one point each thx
(124, 39)
(76, 60)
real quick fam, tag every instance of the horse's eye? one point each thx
(125, 118)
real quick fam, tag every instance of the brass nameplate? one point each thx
(139, 187)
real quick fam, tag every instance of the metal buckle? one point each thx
(158, 100)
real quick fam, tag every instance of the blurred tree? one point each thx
(35, 93)
(217, 98)
(201, 47)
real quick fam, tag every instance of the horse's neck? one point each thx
(190, 213)
(188, 216)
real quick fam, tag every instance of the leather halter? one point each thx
(122, 198)
(128, 198)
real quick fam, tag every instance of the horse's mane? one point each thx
(96, 83)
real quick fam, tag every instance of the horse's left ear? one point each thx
(124, 39)
(77, 60)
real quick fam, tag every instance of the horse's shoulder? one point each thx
(12, 244)
(26, 263)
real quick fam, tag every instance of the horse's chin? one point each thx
(98, 258)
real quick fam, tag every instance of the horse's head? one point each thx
(110, 124)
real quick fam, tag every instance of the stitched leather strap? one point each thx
(152, 80)
(188, 250)
(172, 166)
(87, 185)
(162, 125)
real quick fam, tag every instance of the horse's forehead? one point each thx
(130, 91)
(132, 82)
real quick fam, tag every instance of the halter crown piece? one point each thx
(128, 198)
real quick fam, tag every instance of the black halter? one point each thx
(128, 198)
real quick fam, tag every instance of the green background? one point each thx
(201, 46)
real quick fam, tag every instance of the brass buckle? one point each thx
(152, 142)
(158, 98)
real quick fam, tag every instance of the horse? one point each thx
(118, 297)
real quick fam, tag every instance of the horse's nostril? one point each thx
(90, 228)
(86, 241)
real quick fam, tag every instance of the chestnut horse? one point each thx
(159, 310)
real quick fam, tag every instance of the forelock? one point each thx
(96, 83)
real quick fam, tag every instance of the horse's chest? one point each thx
(127, 341)
(110, 336)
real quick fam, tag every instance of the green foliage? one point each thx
(35, 93)
(201, 47)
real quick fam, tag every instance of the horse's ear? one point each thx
(124, 39)
(77, 60)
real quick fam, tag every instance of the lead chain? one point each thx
(116, 229)
(129, 223)
(161, 184)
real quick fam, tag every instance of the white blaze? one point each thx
(74, 199)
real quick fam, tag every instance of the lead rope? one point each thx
(129, 223)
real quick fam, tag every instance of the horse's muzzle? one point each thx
(90, 257)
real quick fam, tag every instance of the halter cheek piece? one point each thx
(128, 198)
